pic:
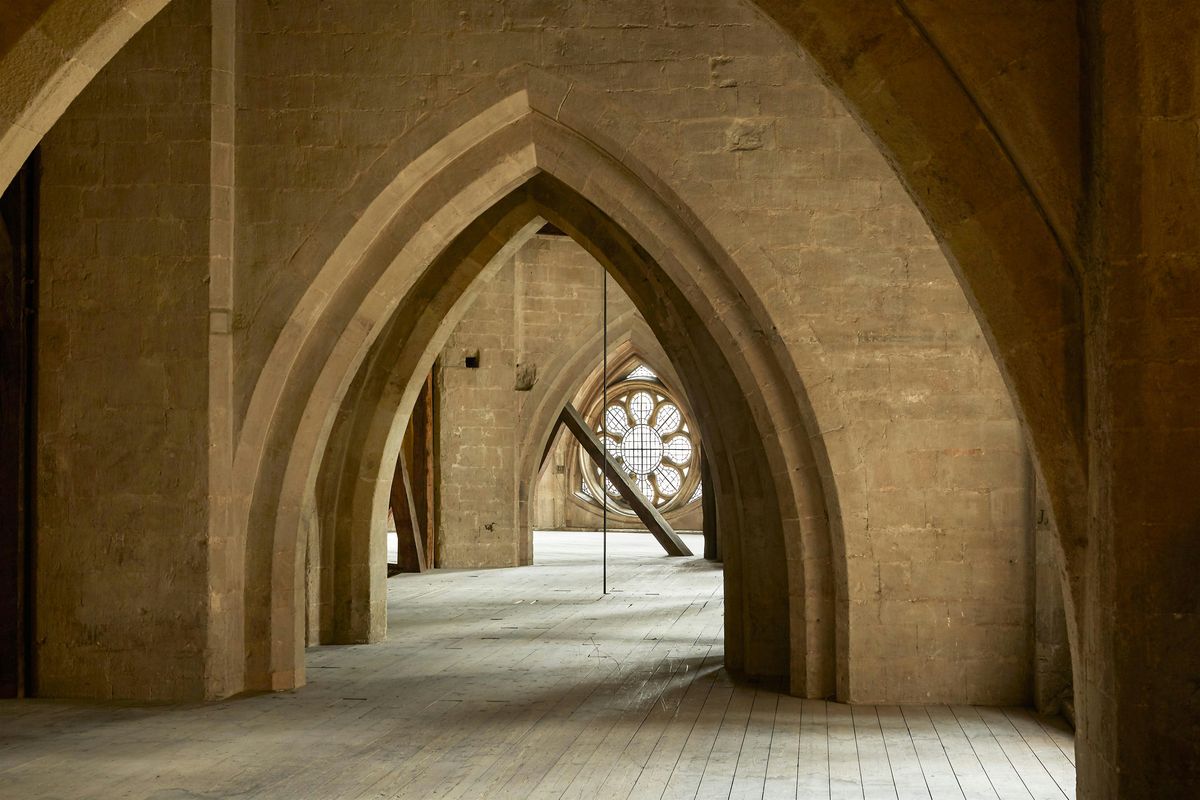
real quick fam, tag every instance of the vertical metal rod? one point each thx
(604, 415)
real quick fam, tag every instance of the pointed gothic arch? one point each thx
(532, 148)
(1017, 269)
(631, 370)
(1010, 249)
(1024, 286)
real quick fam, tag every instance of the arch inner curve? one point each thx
(404, 274)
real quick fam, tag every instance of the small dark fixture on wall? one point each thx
(473, 360)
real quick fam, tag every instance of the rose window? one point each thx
(645, 430)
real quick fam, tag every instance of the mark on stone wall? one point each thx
(526, 377)
(745, 135)
(720, 78)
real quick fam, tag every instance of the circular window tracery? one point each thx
(644, 428)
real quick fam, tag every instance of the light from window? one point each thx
(645, 430)
(641, 373)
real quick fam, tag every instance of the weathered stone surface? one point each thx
(918, 453)
(123, 414)
(923, 454)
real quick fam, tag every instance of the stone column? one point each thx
(1140, 733)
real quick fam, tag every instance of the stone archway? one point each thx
(1010, 246)
(885, 67)
(1039, 349)
(520, 158)
(635, 347)
(756, 580)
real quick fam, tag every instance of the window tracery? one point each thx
(647, 431)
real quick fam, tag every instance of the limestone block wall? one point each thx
(562, 298)
(530, 314)
(926, 470)
(559, 295)
(122, 387)
(938, 543)
(477, 520)
(545, 297)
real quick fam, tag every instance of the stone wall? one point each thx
(924, 469)
(123, 363)
(546, 298)
(1053, 679)
(477, 430)
(993, 119)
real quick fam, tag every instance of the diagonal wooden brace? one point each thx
(646, 512)
(411, 553)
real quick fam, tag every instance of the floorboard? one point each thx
(533, 683)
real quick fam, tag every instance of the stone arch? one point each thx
(354, 593)
(1024, 286)
(760, 651)
(370, 427)
(1012, 252)
(528, 148)
(51, 61)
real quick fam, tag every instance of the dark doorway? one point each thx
(18, 328)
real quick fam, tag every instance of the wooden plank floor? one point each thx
(529, 683)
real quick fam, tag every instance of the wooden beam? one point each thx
(550, 442)
(411, 548)
(424, 444)
(708, 503)
(646, 512)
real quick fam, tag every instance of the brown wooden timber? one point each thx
(647, 513)
(411, 547)
(550, 443)
(422, 474)
(708, 501)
